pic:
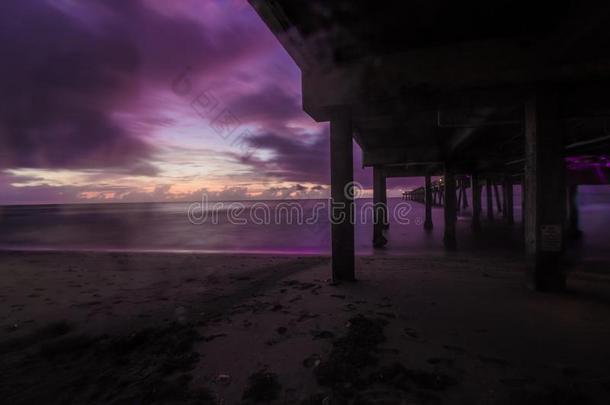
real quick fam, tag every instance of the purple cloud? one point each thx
(68, 71)
(86, 85)
(60, 84)
(271, 107)
(292, 159)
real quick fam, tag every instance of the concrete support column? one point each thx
(384, 200)
(545, 187)
(460, 188)
(523, 213)
(490, 199)
(379, 207)
(507, 187)
(428, 221)
(476, 202)
(464, 195)
(573, 227)
(342, 204)
(497, 194)
(449, 237)
(523, 201)
(504, 213)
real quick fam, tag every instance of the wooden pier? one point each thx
(483, 102)
(433, 192)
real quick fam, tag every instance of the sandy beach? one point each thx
(113, 328)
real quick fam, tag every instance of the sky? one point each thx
(152, 100)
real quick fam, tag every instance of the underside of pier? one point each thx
(504, 92)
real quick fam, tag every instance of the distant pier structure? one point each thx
(433, 192)
(485, 94)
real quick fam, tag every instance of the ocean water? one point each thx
(266, 227)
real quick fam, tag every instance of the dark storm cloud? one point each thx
(66, 72)
(271, 106)
(294, 159)
(58, 82)
(86, 86)
(170, 44)
(291, 158)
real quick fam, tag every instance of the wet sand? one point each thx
(104, 328)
